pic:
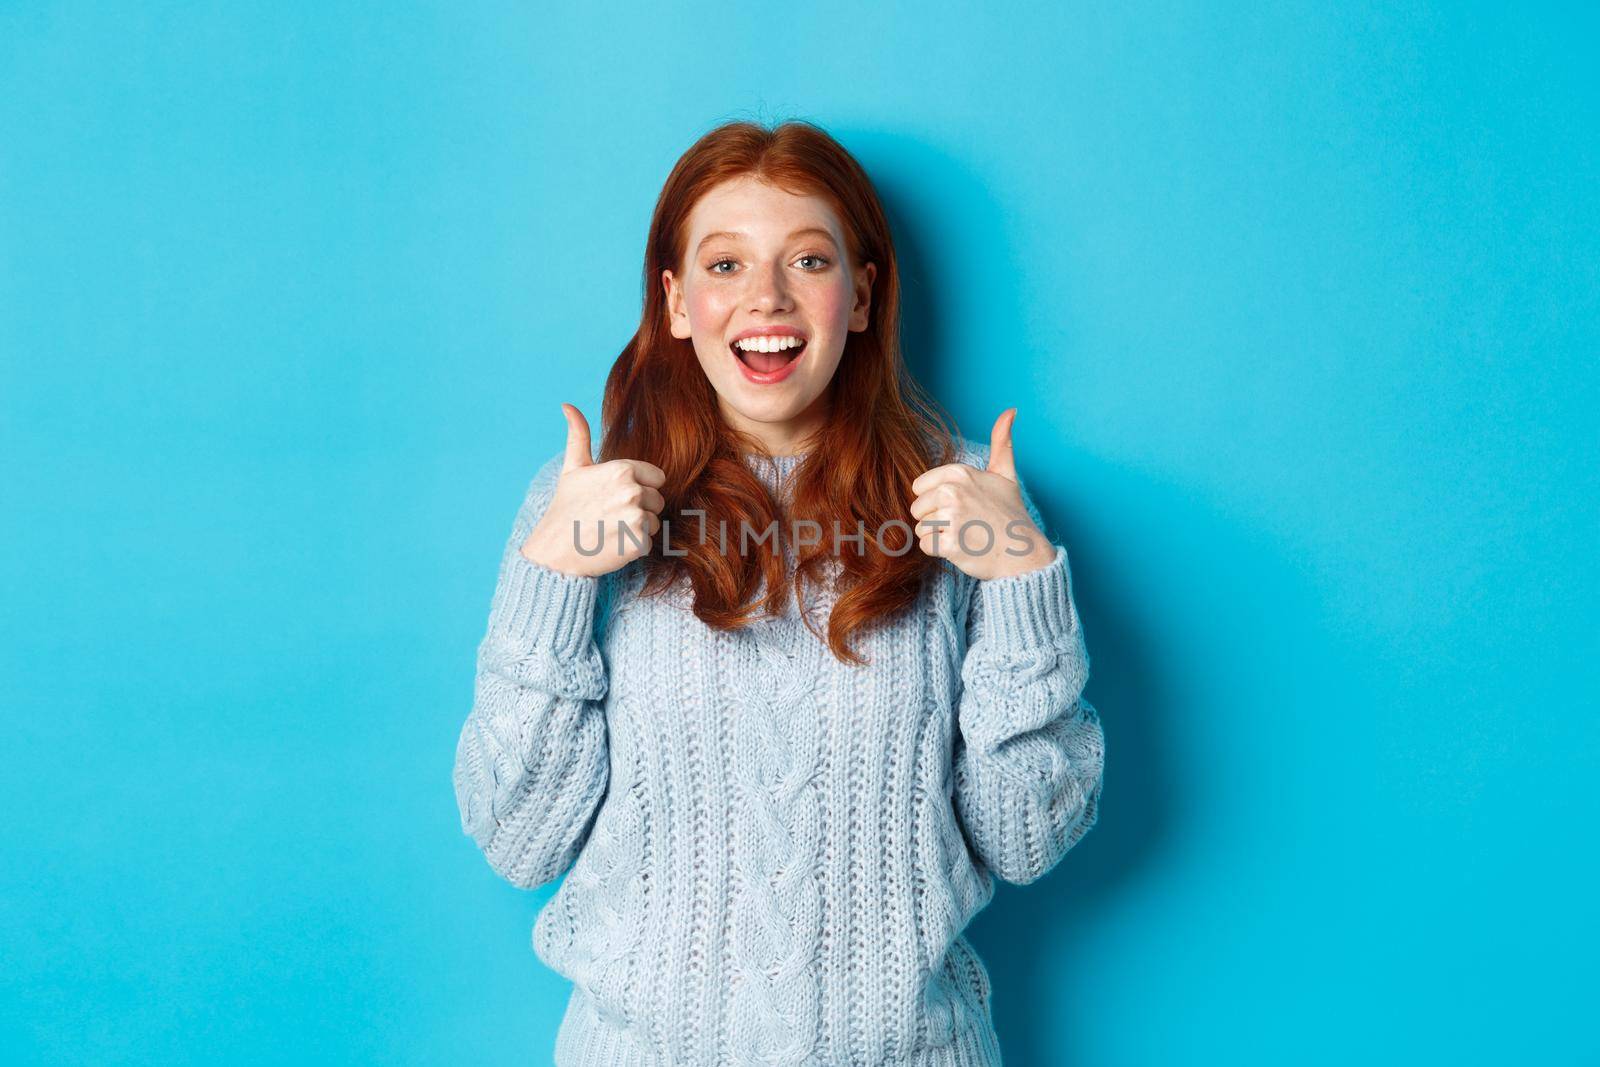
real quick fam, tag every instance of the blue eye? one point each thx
(822, 262)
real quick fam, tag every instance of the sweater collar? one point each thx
(774, 471)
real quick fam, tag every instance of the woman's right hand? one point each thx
(615, 494)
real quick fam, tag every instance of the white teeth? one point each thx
(768, 344)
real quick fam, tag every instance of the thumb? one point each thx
(1001, 460)
(578, 454)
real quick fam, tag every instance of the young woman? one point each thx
(790, 673)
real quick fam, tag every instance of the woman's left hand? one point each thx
(976, 518)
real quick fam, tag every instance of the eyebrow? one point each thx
(735, 236)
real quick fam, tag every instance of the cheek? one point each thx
(709, 313)
(709, 308)
(832, 302)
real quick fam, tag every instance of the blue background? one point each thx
(1299, 311)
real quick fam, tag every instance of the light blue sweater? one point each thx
(776, 853)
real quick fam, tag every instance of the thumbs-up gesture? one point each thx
(1002, 539)
(622, 496)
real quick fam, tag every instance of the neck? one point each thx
(792, 437)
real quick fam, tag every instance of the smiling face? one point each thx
(769, 270)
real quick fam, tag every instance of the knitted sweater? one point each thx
(773, 854)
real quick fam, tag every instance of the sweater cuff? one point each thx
(538, 606)
(1031, 609)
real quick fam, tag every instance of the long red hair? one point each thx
(882, 430)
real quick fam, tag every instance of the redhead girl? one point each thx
(789, 672)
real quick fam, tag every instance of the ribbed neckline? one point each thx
(774, 471)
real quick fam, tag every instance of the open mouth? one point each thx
(768, 362)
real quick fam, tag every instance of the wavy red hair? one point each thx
(882, 428)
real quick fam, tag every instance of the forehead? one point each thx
(761, 211)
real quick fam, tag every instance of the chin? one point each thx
(768, 412)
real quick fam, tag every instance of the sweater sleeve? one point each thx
(531, 764)
(1029, 751)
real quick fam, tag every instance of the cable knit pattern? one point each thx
(776, 903)
(590, 932)
(770, 856)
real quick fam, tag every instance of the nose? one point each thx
(769, 290)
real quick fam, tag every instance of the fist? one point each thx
(617, 503)
(976, 518)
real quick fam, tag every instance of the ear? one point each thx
(863, 307)
(677, 317)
